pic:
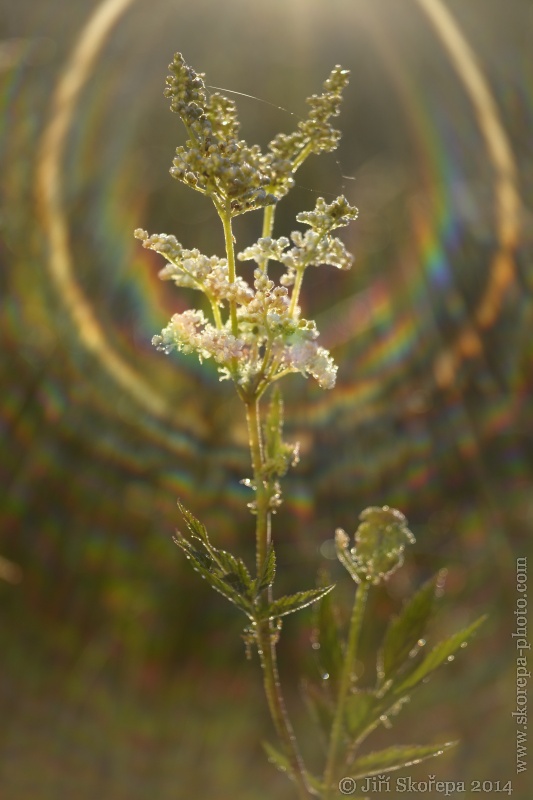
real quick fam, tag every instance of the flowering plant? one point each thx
(256, 334)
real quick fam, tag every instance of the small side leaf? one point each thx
(226, 573)
(268, 574)
(194, 525)
(406, 630)
(396, 758)
(440, 653)
(234, 572)
(293, 602)
(284, 765)
(275, 757)
(204, 565)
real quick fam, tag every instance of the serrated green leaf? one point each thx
(320, 707)
(440, 653)
(268, 573)
(293, 602)
(224, 589)
(213, 571)
(204, 559)
(329, 651)
(396, 758)
(234, 571)
(194, 525)
(407, 629)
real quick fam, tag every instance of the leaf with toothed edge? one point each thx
(235, 571)
(268, 574)
(202, 564)
(394, 758)
(440, 654)
(226, 573)
(194, 525)
(407, 629)
(293, 602)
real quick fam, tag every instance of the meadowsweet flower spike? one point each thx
(214, 161)
(287, 152)
(256, 334)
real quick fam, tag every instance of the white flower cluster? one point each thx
(264, 325)
(307, 357)
(190, 332)
(191, 269)
(263, 336)
(312, 248)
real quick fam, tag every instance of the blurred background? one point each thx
(121, 675)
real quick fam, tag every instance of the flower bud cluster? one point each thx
(380, 542)
(286, 152)
(217, 163)
(214, 161)
(325, 218)
(315, 246)
(268, 312)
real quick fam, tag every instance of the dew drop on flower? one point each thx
(316, 645)
(325, 676)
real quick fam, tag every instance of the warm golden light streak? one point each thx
(50, 197)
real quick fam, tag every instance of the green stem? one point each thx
(216, 311)
(266, 634)
(263, 529)
(225, 216)
(296, 291)
(300, 158)
(295, 296)
(347, 677)
(268, 227)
